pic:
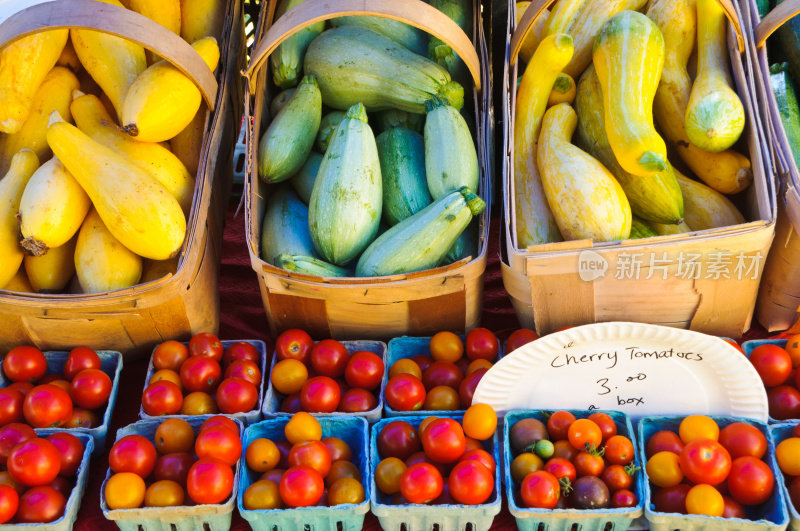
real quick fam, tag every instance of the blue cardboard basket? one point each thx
(407, 347)
(209, 517)
(423, 517)
(346, 517)
(779, 432)
(272, 400)
(66, 522)
(770, 516)
(111, 364)
(248, 417)
(529, 519)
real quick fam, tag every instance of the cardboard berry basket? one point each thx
(704, 280)
(272, 398)
(66, 522)
(111, 364)
(246, 418)
(777, 433)
(346, 517)
(529, 519)
(748, 347)
(209, 517)
(178, 304)
(445, 298)
(769, 516)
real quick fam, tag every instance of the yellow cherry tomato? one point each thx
(788, 455)
(664, 469)
(698, 427)
(480, 421)
(705, 500)
(302, 427)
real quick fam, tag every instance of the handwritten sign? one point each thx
(634, 370)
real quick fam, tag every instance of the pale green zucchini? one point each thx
(461, 13)
(412, 38)
(285, 226)
(287, 60)
(279, 101)
(450, 157)
(327, 126)
(308, 265)
(405, 189)
(303, 180)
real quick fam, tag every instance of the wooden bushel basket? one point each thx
(640, 282)
(176, 306)
(779, 298)
(421, 303)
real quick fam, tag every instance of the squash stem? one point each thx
(475, 203)
(653, 161)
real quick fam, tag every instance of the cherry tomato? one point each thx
(90, 388)
(313, 454)
(41, 504)
(422, 361)
(241, 350)
(320, 394)
(481, 343)
(705, 500)
(524, 464)
(474, 365)
(446, 346)
(470, 482)
(340, 470)
(705, 461)
(750, 481)
(742, 439)
(295, 344)
(302, 427)
(773, 364)
(421, 457)
(398, 439)
(698, 427)
(22, 387)
(133, 453)
(346, 490)
(365, 370)
(262, 455)
(169, 355)
(166, 374)
(387, 475)
(616, 477)
(421, 483)
(10, 406)
(606, 424)
(70, 449)
(62, 485)
(442, 373)
(162, 398)
(619, 450)
(291, 404)
(218, 443)
(463, 364)
(329, 358)
(664, 469)
(244, 369)
(6, 479)
(482, 456)
(405, 392)
(199, 403)
(664, 441)
(235, 395)
(47, 406)
(288, 376)
(733, 509)
(339, 450)
(206, 345)
(624, 498)
(561, 468)
(441, 398)
(405, 366)
(61, 384)
(164, 493)
(540, 489)
(9, 502)
(209, 481)
(584, 433)
(480, 421)
(587, 464)
(34, 462)
(671, 499)
(81, 358)
(125, 490)
(784, 402)
(10, 436)
(520, 337)
(564, 450)
(263, 494)
(200, 373)
(443, 440)
(24, 364)
(787, 453)
(357, 400)
(301, 486)
(218, 420)
(174, 467)
(558, 425)
(466, 389)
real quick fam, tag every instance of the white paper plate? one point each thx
(637, 368)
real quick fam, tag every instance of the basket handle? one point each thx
(118, 21)
(775, 19)
(537, 7)
(412, 12)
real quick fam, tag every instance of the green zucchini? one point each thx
(303, 180)
(345, 207)
(450, 157)
(641, 229)
(421, 241)
(461, 13)
(288, 140)
(786, 97)
(285, 226)
(279, 101)
(355, 65)
(405, 190)
(287, 60)
(789, 40)
(387, 119)
(327, 126)
(308, 265)
(656, 198)
(412, 38)
(466, 244)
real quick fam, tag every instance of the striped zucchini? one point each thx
(327, 126)
(408, 36)
(641, 229)
(308, 265)
(303, 180)
(287, 60)
(285, 226)
(450, 157)
(402, 157)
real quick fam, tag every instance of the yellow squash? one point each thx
(163, 101)
(535, 222)
(187, 144)
(727, 171)
(628, 57)
(534, 36)
(92, 118)
(155, 269)
(23, 164)
(165, 12)
(69, 58)
(563, 91)
(704, 207)
(136, 208)
(23, 66)
(54, 94)
(114, 63)
(52, 208)
(51, 272)
(19, 283)
(584, 197)
(562, 16)
(101, 261)
(715, 114)
(666, 230)
(202, 18)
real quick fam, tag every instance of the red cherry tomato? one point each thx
(540, 489)
(561, 468)
(357, 400)
(47, 406)
(200, 373)
(742, 439)
(422, 361)
(733, 509)
(619, 450)
(294, 343)
(443, 440)
(481, 343)
(313, 454)
(772, 363)
(174, 467)
(90, 388)
(606, 424)
(784, 402)
(235, 395)
(329, 358)
(9, 502)
(558, 425)
(442, 373)
(365, 370)
(206, 345)
(420, 457)
(671, 499)
(241, 350)
(209, 481)
(320, 394)
(24, 364)
(466, 389)
(405, 392)
(398, 439)
(169, 355)
(62, 485)
(470, 482)
(219, 443)
(70, 449)
(246, 370)
(705, 461)
(10, 406)
(11, 435)
(34, 462)
(482, 456)
(22, 387)
(587, 464)
(218, 420)
(624, 498)
(664, 441)
(616, 477)
(301, 486)
(162, 398)
(750, 481)
(421, 483)
(133, 453)
(520, 337)
(40, 505)
(80, 358)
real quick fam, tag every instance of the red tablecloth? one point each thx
(242, 317)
